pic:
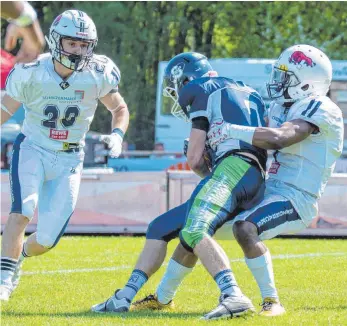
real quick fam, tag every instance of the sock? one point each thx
(137, 279)
(227, 283)
(23, 254)
(174, 275)
(261, 268)
(8, 266)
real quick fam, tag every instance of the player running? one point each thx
(60, 92)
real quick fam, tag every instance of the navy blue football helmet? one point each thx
(180, 70)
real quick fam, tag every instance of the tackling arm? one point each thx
(289, 133)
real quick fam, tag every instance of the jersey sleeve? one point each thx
(194, 98)
(15, 83)
(110, 80)
(315, 111)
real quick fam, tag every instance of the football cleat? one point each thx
(230, 307)
(150, 302)
(271, 307)
(5, 292)
(112, 304)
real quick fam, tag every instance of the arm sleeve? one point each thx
(111, 79)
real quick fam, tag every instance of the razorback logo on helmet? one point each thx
(177, 71)
(298, 57)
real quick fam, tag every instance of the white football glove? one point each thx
(217, 134)
(114, 142)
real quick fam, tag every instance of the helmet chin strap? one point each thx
(288, 99)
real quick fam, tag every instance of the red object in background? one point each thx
(6, 64)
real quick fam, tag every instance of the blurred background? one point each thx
(138, 35)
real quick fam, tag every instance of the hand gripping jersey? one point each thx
(222, 99)
(60, 111)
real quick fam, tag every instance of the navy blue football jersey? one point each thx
(223, 99)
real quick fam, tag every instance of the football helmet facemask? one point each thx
(300, 71)
(180, 70)
(75, 25)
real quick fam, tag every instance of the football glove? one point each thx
(114, 143)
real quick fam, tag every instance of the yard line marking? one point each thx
(123, 267)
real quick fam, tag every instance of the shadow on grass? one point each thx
(89, 314)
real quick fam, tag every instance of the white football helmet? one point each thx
(76, 25)
(300, 71)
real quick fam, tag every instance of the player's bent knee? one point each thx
(45, 241)
(19, 219)
(244, 231)
(154, 231)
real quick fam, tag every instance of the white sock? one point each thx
(8, 266)
(227, 283)
(174, 275)
(261, 268)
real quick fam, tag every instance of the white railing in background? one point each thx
(126, 202)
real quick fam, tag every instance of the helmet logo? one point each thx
(57, 20)
(299, 58)
(176, 72)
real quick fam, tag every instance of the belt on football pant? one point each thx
(71, 148)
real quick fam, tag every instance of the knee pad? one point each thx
(190, 238)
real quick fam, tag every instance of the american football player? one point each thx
(305, 128)
(235, 183)
(59, 92)
(289, 205)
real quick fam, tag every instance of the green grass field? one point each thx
(60, 287)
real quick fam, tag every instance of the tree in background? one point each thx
(138, 35)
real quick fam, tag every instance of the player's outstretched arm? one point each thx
(289, 133)
(23, 25)
(115, 103)
(8, 107)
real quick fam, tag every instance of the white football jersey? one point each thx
(307, 165)
(60, 111)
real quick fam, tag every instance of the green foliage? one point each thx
(137, 35)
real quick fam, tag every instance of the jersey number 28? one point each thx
(52, 112)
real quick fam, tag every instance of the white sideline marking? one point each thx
(122, 267)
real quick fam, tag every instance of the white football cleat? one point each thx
(5, 292)
(271, 307)
(230, 307)
(112, 304)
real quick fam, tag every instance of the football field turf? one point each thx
(60, 287)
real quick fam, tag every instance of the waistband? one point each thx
(70, 148)
(247, 157)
